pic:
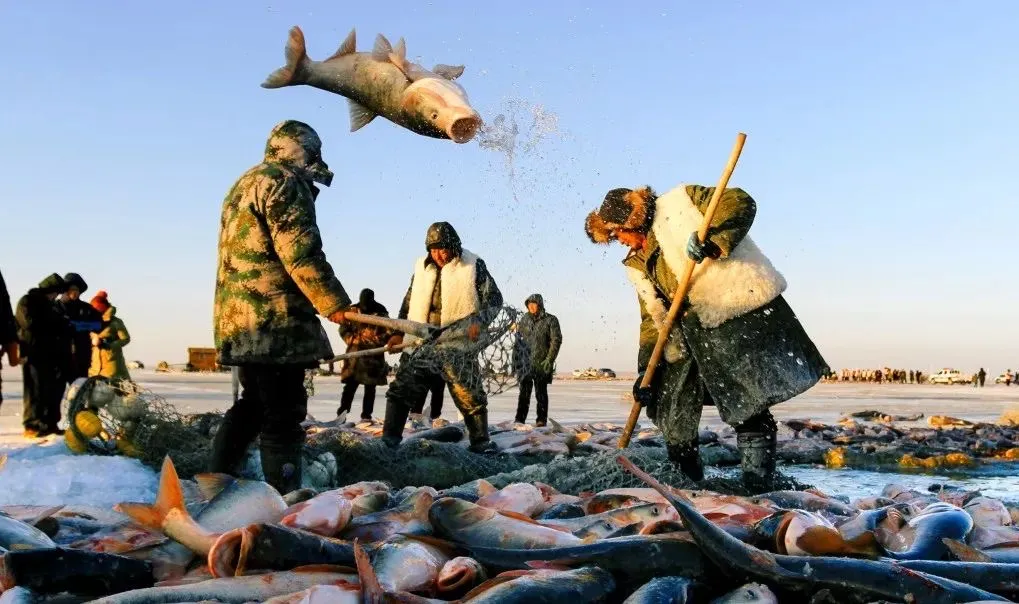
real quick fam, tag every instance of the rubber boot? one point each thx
(282, 468)
(396, 419)
(688, 458)
(477, 429)
(757, 452)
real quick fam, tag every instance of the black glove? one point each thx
(698, 251)
(643, 396)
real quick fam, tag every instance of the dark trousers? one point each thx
(347, 399)
(272, 405)
(524, 401)
(437, 388)
(42, 389)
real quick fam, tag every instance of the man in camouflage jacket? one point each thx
(736, 343)
(272, 282)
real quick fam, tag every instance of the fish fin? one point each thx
(866, 544)
(371, 590)
(588, 540)
(965, 553)
(712, 516)
(450, 72)
(3, 461)
(814, 491)
(170, 497)
(297, 60)
(348, 47)
(520, 517)
(485, 488)
(557, 428)
(427, 411)
(398, 57)
(211, 484)
(821, 540)
(382, 48)
(360, 116)
(44, 514)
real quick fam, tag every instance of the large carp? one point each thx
(383, 82)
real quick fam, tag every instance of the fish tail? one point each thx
(170, 498)
(371, 590)
(297, 60)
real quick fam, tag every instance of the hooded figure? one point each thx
(109, 341)
(736, 344)
(451, 285)
(538, 339)
(272, 282)
(84, 320)
(368, 371)
(44, 337)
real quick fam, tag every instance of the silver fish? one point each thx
(384, 83)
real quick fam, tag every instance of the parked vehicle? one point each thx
(950, 377)
(1005, 377)
(593, 374)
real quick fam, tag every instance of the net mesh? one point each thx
(134, 422)
(488, 363)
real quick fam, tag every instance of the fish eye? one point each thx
(435, 115)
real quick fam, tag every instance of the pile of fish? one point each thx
(220, 539)
(875, 440)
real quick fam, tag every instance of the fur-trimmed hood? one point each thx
(632, 210)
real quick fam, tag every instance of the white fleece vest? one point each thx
(459, 290)
(720, 289)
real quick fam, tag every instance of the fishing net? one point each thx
(488, 364)
(344, 458)
(129, 420)
(601, 471)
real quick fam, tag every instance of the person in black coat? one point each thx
(8, 332)
(535, 351)
(45, 339)
(84, 320)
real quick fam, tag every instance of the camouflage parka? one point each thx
(272, 278)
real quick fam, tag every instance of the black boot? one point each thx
(282, 468)
(396, 419)
(477, 429)
(757, 452)
(688, 458)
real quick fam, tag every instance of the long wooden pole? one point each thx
(681, 291)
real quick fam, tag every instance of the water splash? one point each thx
(519, 146)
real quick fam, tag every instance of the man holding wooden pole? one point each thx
(735, 343)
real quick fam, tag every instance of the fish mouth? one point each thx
(228, 556)
(463, 129)
(455, 580)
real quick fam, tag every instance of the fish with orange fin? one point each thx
(865, 578)
(803, 533)
(233, 503)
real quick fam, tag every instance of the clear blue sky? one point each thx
(881, 152)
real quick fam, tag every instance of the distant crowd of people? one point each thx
(877, 376)
(57, 338)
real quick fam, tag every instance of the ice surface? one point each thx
(49, 474)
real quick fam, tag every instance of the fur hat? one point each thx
(628, 209)
(99, 301)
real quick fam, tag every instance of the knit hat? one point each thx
(628, 209)
(99, 301)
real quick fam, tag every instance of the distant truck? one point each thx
(950, 377)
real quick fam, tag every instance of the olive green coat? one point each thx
(108, 355)
(748, 362)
